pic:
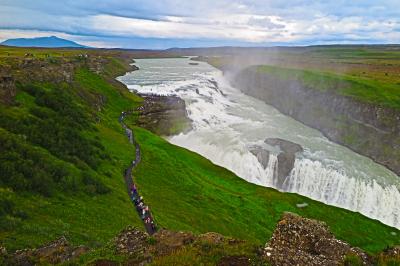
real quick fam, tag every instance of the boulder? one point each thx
(301, 241)
(132, 241)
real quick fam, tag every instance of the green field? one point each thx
(363, 89)
(51, 187)
(367, 73)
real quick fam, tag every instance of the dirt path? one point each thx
(141, 208)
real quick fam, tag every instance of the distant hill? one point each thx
(47, 42)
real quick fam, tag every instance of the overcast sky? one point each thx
(176, 23)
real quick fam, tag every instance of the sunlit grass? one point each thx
(188, 192)
(363, 89)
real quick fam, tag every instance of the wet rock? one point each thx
(285, 145)
(301, 241)
(286, 157)
(261, 154)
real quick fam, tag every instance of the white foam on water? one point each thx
(226, 123)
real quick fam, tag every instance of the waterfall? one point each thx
(271, 171)
(334, 187)
(226, 123)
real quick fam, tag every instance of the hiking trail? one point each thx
(141, 208)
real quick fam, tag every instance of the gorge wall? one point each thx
(368, 129)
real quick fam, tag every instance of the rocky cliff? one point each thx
(295, 241)
(368, 129)
(163, 115)
(300, 241)
(286, 156)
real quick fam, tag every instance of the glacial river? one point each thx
(227, 123)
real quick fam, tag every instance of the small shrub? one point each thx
(21, 214)
(6, 207)
(152, 241)
(93, 185)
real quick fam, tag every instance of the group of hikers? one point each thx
(142, 209)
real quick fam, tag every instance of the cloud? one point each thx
(244, 22)
(228, 27)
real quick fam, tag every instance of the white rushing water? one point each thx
(227, 123)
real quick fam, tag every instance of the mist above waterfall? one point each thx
(227, 124)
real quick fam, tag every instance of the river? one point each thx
(227, 124)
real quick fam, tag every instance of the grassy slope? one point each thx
(367, 73)
(83, 219)
(184, 190)
(188, 192)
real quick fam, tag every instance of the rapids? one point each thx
(227, 123)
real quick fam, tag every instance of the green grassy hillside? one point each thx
(368, 73)
(62, 158)
(364, 89)
(188, 192)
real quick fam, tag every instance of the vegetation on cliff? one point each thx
(370, 91)
(62, 152)
(349, 93)
(188, 192)
(63, 155)
(367, 73)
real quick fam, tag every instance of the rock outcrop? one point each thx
(301, 241)
(168, 242)
(262, 155)
(7, 87)
(286, 157)
(131, 241)
(139, 248)
(368, 129)
(295, 241)
(163, 115)
(286, 154)
(58, 251)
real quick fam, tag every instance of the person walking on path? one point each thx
(142, 209)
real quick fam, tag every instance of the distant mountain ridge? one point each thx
(47, 42)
